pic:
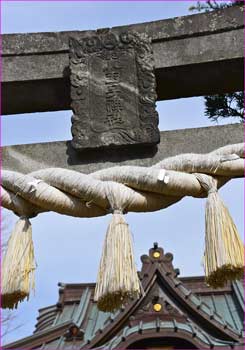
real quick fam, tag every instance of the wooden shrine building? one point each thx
(172, 313)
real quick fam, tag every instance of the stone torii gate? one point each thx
(111, 79)
(194, 55)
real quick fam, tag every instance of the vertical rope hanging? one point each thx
(224, 251)
(18, 265)
(117, 279)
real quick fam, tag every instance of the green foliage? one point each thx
(230, 104)
(225, 106)
(211, 5)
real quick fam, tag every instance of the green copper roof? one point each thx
(167, 325)
(189, 306)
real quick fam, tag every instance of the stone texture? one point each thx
(113, 91)
(189, 53)
(28, 158)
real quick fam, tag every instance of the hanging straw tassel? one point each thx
(224, 251)
(117, 279)
(18, 265)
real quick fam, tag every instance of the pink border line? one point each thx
(1, 1)
(107, 0)
(0, 171)
(244, 169)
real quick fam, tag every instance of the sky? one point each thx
(68, 249)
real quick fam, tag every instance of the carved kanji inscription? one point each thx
(112, 91)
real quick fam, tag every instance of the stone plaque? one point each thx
(113, 91)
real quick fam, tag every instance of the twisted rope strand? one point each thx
(140, 189)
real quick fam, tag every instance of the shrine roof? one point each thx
(214, 317)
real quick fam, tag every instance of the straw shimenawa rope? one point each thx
(139, 189)
(224, 251)
(18, 265)
(117, 279)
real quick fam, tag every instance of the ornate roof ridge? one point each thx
(177, 304)
(158, 265)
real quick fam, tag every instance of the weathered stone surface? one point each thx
(28, 158)
(194, 55)
(113, 91)
(162, 30)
